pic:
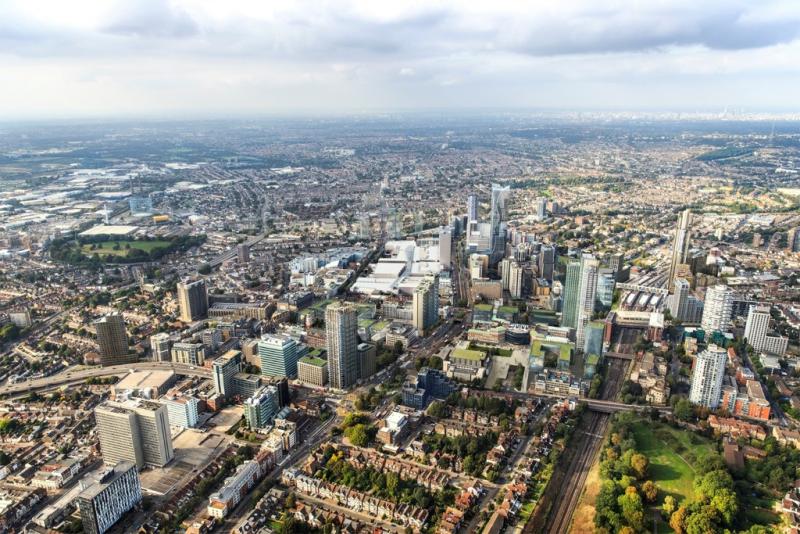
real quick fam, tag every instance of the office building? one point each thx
(112, 338)
(547, 262)
(425, 305)
(707, 377)
(680, 246)
(570, 300)
(134, 431)
(717, 309)
(223, 369)
(472, 208)
(682, 305)
(105, 501)
(160, 346)
(606, 282)
(756, 331)
(430, 384)
(366, 360)
(586, 297)
(503, 269)
(211, 338)
(192, 300)
(189, 353)
(182, 411)
(312, 370)
(341, 334)
(261, 408)
(593, 334)
(278, 355)
(245, 385)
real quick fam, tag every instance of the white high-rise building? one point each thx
(717, 309)
(135, 431)
(587, 293)
(504, 270)
(181, 410)
(472, 208)
(105, 500)
(515, 278)
(445, 246)
(680, 246)
(756, 331)
(757, 326)
(707, 377)
(341, 332)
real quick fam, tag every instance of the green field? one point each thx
(672, 453)
(106, 248)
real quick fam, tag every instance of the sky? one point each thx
(218, 58)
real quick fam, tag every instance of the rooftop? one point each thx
(311, 360)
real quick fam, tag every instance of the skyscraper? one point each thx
(425, 305)
(571, 287)
(504, 269)
(717, 309)
(261, 408)
(541, 208)
(707, 377)
(278, 355)
(112, 338)
(366, 360)
(472, 208)
(498, 214)
(547, 261)
(193, 300)
(341, 332)
(606, 282)
(680, 246)
(105, 501)
(515, 280)
(136, 431)
(586, 297)
(243, 252)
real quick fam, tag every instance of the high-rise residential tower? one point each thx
(112, 338)
(472, 208)
(707, 377)
(680, 246)
(587, 294)
(756, 331)
(103, 502)
(193, 300)
(341, 333)
(425, 305)
(717, 309)
(223, 369)
(547, 262)
(445, 246)
(571, 287)
(160, 346)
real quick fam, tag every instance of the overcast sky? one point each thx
(75, 58)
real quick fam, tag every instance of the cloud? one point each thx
(98, 56)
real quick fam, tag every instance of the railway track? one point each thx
(593, 427)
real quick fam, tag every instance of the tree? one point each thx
(677, 520)
(727, 504)
(669, 506)
(639, 463)
(650, 491)
(392, 482)
(683, 410)
(632, 510)
(702, 522)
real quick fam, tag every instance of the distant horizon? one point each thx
(204, 58)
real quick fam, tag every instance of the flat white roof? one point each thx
(103, 229)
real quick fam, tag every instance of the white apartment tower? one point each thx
(717, 309)
(707, 377)
(587, 292)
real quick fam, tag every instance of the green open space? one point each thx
(672, 453)
(122, 247)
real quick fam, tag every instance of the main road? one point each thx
(74, 377)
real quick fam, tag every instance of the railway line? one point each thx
(591, 431)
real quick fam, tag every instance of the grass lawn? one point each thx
(107, 247)
(671, 453)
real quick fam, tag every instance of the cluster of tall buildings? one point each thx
(488, 238)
